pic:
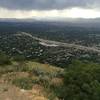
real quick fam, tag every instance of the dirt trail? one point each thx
(9, 92)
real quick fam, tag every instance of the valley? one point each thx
(49, 61)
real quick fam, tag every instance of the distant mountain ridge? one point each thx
(52, 19)
(63, 21)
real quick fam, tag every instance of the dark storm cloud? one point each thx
(47, 4)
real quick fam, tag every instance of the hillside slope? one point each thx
(28, 81)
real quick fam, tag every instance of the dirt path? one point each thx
(8, 92)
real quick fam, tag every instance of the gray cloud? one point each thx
(47, 4)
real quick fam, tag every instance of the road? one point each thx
(68, 45)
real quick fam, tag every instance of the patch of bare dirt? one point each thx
(37, 93)
(9, 92)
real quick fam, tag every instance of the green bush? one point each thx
(4, 59)
(81, 82)
(22, 66)
(19, 58)
(23, 83)
(44, 80)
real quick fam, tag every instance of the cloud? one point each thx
(52, 14)
(48, 4)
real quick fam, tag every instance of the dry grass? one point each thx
(38, 92)
(44, 67)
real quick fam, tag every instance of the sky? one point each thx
(49, 9)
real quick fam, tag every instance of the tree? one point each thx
(4, 59)
(82, 81)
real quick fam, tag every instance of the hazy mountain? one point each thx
(62, 21)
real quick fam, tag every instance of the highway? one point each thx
(56, 43)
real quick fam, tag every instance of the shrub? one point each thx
(19, 58)
(22, 66)
(23, 83)
(4, 59)
(44, 80)
(81, 82)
